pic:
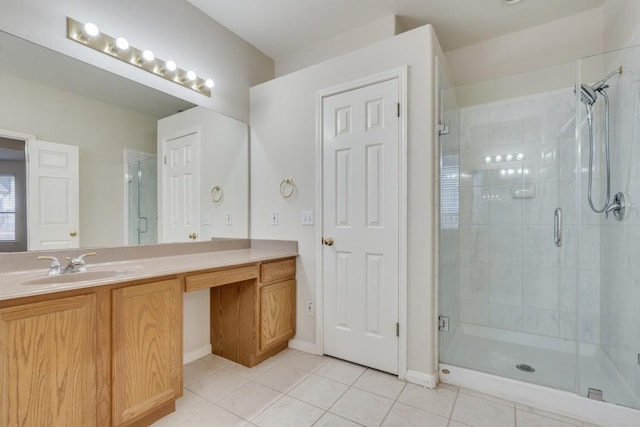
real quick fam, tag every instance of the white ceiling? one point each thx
(281, 27)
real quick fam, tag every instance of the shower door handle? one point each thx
(557, 227)
(146, 224)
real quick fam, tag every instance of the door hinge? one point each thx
(398, 109)
(443, 323)
(397, 329)
(443, 129)
(165, 160)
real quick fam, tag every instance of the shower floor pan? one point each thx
(499, 352)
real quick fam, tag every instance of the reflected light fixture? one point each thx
(89, 35)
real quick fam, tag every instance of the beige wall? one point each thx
(554, 43)
(172, 29)
(283, 143)
(339, 45)
(621, 24)
(101, 131)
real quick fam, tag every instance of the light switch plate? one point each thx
(228, 219)
(274, 217)
(307, 218)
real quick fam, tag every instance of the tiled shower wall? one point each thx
(511, 275)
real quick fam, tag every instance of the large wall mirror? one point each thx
(118, 127)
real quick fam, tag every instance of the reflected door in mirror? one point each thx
(181, 202)
(54, 202)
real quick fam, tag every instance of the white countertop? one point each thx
(26, 283)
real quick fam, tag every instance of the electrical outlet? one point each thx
(310, 308)
(307, 218)
(274, 218)
(206, 218)
(228, 219)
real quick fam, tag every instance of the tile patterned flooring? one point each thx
(301, 390)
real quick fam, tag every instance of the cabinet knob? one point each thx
(193, 236)
(328, 241)
(73, 233)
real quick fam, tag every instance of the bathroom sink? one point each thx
(76, 277)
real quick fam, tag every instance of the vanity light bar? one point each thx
(89, 35)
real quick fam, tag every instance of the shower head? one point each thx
(587, 95)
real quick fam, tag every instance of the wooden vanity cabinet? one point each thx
(252, 308)
(49, 363)
(277, 301)
(109, 357)
(147, 351)
(112, 355)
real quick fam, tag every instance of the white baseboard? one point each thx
(307, 347)
(196, 354)
(420, 378)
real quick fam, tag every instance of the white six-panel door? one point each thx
(361, 153)
(53, 193)
(181, 188)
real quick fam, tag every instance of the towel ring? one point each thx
(217, 194)
(287, 187)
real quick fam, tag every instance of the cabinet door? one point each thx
(277, 313)
(48, 363)
(147, 348)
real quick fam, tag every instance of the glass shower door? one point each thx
(142, 201)
(507, 269)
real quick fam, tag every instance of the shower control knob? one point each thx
(618, 207)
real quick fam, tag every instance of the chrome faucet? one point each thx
(54, 266)
(76, 264)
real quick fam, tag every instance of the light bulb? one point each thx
(147, 55)
(498, 158)
(122, 43)
(170, 65)
(520, 156)
(191, 76)
(208, 83)
(509, 157)
(487, 159)
(91, 29)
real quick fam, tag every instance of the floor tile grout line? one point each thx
(265, 409)
(455, 399)
(488, 397)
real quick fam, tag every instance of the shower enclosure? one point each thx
(141, 178)
(533, 284)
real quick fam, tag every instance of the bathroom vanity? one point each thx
(106, 348)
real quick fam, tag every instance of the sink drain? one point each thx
(526, 368)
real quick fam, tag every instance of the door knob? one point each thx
(193, 236)
(328, 241)
(73, 233)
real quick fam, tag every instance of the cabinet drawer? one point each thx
(277, 270)
(219, 278)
